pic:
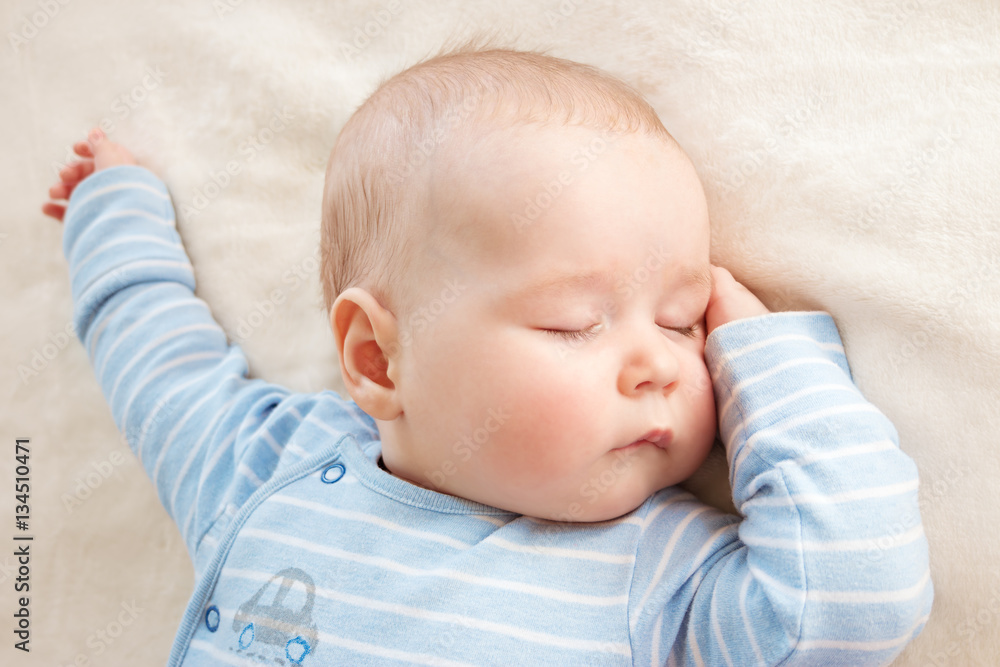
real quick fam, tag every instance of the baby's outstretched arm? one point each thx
(177, 388)
(98, 152)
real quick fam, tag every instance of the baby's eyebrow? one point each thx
(565, 282)
(702, 279)
(569, 282)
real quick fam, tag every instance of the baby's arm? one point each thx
(176, 387)
(829, 564)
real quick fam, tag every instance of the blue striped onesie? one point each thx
(307, 553)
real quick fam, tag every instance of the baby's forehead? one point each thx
(494, 188)
(537, 161)
(490, 158)
(478, 178)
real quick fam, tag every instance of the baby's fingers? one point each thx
(70, 176)
(60, 191)
(722, 282)
(82, 148)
(76, 172)
(730, 300)
(56, 211)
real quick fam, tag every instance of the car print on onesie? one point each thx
(273, 632)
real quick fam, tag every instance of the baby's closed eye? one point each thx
(586, 333)
(591, 331)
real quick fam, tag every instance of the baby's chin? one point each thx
(606, 507)
(609, 513)
(592, 502)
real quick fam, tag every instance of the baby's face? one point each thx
(563, 291)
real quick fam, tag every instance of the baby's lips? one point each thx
(659, 437)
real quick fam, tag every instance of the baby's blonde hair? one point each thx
(370, 178)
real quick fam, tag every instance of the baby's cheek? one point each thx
(544, 431)
(698, 381)
(700, 397)
(536, 422)
(549, 399)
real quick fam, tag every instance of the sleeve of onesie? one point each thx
(178, 390)
(829, 564)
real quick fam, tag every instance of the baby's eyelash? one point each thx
(690, 332)
(581, 334)
(591, 331)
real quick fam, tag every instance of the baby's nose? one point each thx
(648, 368)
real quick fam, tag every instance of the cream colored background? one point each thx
(849, 151)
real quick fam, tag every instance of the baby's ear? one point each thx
(366, 336)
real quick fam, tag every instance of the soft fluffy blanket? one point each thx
(848, 150)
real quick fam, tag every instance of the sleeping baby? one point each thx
(538, 351)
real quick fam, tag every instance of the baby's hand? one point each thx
(98, 152)
(730, 301)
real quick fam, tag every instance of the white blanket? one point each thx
(849, 151)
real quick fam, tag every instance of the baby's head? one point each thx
(515, 257)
